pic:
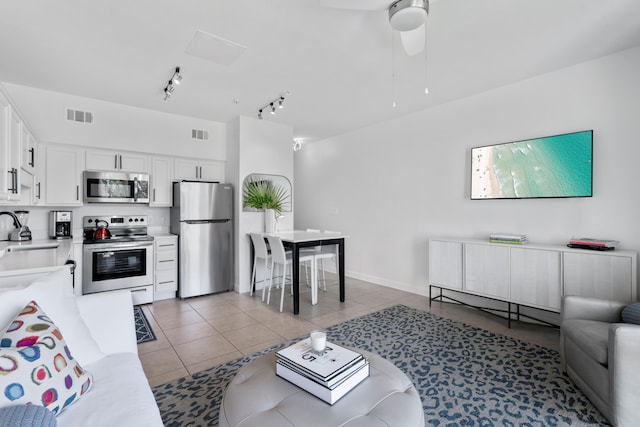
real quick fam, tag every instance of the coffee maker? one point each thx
(60, 224)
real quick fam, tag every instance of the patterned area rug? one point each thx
(466, 376)
(144, 332)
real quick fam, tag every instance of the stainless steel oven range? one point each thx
(120, 257)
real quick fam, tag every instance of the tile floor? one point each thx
(198, 333)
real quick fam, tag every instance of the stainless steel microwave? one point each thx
(116, 187)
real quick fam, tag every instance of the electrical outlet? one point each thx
(150, 220)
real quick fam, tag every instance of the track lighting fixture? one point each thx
(170, 87)
(271, 106)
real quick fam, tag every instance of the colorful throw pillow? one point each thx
(631, 313)
(36, 365)
(54, 293)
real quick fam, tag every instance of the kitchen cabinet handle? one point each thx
(166, 244)
(77, 192)
(14, 181)
(167, 260)
(164, 283)
(32, 163)
(154, 194)
(10, 189)
(138, 290)
(115, 158)
(120, 161)
(38, 192)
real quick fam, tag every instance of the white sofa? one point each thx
(100, 333)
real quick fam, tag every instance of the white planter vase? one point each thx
(269, 221)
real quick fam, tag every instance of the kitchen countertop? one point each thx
(15, 260)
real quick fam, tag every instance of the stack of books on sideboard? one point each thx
(514, 239)
(593, 244)
(328, 376)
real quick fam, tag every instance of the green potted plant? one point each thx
(263, 194)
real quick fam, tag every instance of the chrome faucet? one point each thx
(20, 233)
(16, 223)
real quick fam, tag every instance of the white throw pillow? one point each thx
(54, 294)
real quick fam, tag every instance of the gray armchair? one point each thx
(602, 356)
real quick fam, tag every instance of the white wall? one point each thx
(398, 183)
(115, 126)
(262, 147)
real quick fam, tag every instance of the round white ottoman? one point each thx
(257, 397)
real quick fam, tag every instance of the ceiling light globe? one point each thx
(407, 15)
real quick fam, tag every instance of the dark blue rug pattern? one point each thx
(466, 376)
(144, 332)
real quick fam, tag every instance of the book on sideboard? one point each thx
(588, 241)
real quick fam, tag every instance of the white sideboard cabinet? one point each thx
(531, 275)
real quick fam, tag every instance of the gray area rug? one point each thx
(466, 376)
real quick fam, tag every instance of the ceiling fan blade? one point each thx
(355, 4)
(413, 41)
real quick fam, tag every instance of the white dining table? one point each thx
(296, 239)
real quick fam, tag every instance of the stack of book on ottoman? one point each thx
(328, 376)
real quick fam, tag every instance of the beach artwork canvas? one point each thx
(553, 166)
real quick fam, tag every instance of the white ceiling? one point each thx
(337, 63)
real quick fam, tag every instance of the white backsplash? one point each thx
(39, 217)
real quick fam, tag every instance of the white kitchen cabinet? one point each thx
(110, 160)
(487, 270)
(161, 181)
(29, 154)
(199, 170)
(6, 176)
(62, 184)
(37, 194)
(14, 157)
(166, 268)
(536, 278)
(600, 275)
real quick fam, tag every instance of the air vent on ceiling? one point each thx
(79, 116)
(199, 134)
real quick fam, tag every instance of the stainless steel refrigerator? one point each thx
(202, 217)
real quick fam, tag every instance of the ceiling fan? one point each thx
(405, 16)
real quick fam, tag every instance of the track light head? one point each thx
(177, 78)
(260, 115)
(273, 108)
(281, 102)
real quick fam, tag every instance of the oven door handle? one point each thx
(110, 246)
